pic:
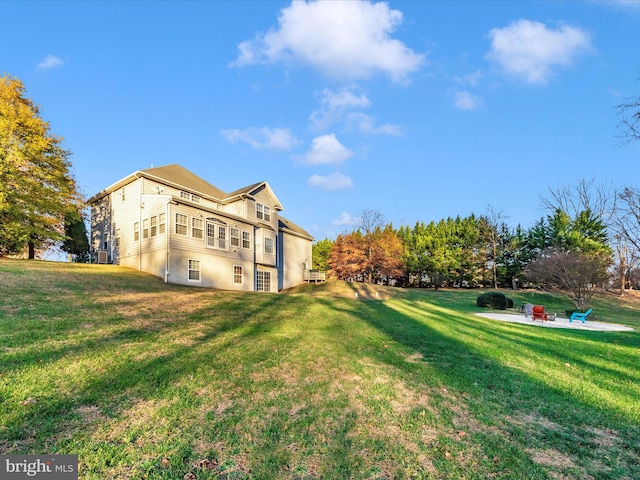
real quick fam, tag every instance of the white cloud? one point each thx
(263, 138)
(344, 219)
(49, 62)
(342, 39)
(333, 106)
(366, 124)
(333, 181)
(471, 79)
(529, 50)
(326, 149)
(467, 101)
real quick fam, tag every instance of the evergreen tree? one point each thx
(76, 241)
(321, 253)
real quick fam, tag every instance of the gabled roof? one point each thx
(290, 227)
(182, 178)
(253, 189)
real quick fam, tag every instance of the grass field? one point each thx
(147, 380)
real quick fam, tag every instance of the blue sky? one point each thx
(419, 110)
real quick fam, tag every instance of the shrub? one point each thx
(495, 300)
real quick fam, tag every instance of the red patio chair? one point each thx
(538, 313)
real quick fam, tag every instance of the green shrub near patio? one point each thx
(496, 300)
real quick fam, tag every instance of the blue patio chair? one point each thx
(580, 316)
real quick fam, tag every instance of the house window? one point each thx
(235, 237)
(246, 240)
(161, 224)
(145, 228)
(216, 235)
(181, 224)
(136, 231)
(268, 245)
(263, 212)
(263, 283)
(196, 228)
(154, 226)
(237, 274)
(117, 237)
(190, 196)
(222, 237)
(194, 270)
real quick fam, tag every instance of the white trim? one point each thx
(189, 270)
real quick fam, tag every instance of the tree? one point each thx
(347, 257)
(37, 190)
(492, 225)
(76, 241)
(373, 252)
(629, 124)
(370, 223)
(577, 274)
(321, 253)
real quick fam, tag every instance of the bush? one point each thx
(495, 300)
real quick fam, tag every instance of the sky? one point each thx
(418, 110)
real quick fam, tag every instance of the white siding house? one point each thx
(171, 223)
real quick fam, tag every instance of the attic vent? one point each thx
(103, 256)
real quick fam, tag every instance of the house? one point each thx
(171, 223)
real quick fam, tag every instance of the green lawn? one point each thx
(147, 380)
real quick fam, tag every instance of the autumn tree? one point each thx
(347, 257)
(372, 252)
(37, 190)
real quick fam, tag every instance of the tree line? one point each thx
(589, 239)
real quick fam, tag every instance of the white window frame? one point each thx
(190, 196)
(269, 245)
(246, 240)
(217, 236)
(182, 224)
(237, 275)
(263, 279)
(161, 224)
(136, 231)
(145, 228)
(197, 228)
(263, 212)
(153, 228)
(234, 237)
(193, 270)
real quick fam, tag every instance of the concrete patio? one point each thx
(557, 323)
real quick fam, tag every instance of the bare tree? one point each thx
(492, 222)
(576, 274)
(584, 195)
(369, 220)
(629, 124)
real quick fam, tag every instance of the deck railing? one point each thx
(314, 276)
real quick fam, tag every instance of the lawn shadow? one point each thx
(460, 354)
